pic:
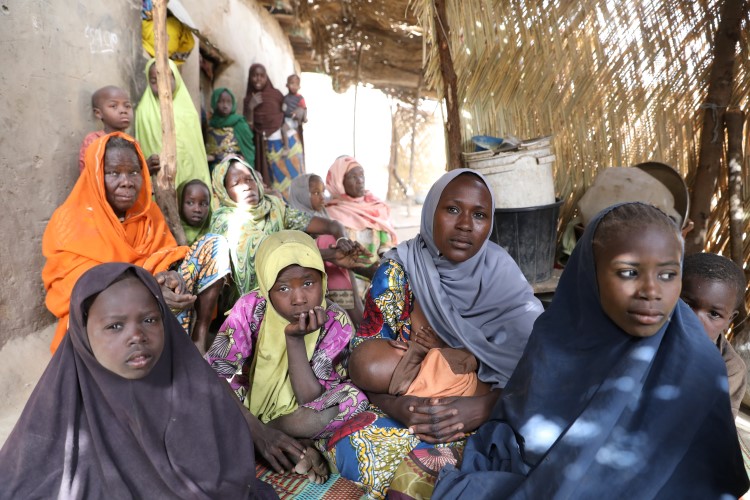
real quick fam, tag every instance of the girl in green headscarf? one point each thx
(191, 155)
(228, 132)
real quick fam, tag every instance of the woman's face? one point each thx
(317, 198)
(122, 179)
(297, 290)
(125, 329)
(259, 78)
(354, 182)
(241, 186)
(152, 80)
(463, 218)
(224, 104)
(639, 274)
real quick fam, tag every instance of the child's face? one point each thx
(297, 290)
(639, 278)
(224, 104)
(293, 83)
(317, 198)
(463, 218)
(125, 329)
(354, 182)
(712, 301)
(114, 110)
(152, 80)
(241, 186)
(122, 179)
(259, 78)
(195, 200)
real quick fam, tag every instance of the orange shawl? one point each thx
(84, 232)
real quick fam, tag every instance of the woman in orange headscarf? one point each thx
(110, 217)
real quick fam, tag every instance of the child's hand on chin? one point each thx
(308, 322)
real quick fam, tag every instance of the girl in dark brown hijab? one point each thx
(127, 408)
(262, 109)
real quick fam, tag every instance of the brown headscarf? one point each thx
(89, 433)
(267, 118)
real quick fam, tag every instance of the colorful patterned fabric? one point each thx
(284, 168)
(384, 457)
(220, 142)
(388, 306)
(296, 486)
(245, 228)
(206, 262)
(232, 352)
(373, 457)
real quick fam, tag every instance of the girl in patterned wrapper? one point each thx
(619, 393)
(283, 348)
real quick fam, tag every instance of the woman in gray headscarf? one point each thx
(449, 286)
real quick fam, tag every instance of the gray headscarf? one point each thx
(483, 304)
(299, 195)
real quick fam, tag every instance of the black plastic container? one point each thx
(530, 236)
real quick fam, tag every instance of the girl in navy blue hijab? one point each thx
(619, 393)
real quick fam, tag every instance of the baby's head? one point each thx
(125, 327)
(293, 84)
(638, 255)
(714, 288)
(291, 273)
(317, 190)
(375, 377)
(112, 106)
(196, 199)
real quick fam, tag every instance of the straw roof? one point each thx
(616, 83)
(378, 42)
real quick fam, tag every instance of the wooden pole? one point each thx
(412, 152)
(356, 93)
(717, 99)
(735, 122)
(450, 92)
(166, 197)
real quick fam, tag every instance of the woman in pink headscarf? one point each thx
(367, 218)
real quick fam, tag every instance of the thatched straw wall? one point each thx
(615, 82)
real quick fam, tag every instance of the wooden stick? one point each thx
(166, 197)
(735, 123)
(712, 133)
(450, 92)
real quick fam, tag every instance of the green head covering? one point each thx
(242, 132)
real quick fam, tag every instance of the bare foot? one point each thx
(314, 465)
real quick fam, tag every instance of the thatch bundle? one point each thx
(616, 83)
